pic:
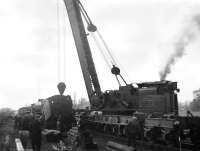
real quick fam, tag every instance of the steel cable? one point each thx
(58, 40)
(64, 43)
(100, 49)
(86, 16)
(107, 49)
(114, 59)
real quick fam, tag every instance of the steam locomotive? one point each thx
(55, 112)
(57, 108)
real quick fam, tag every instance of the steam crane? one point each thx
(83, 48)
(75, 12)
(146, 97)
(157, 101)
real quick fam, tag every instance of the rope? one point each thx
(106, 46)
(86, 16)
(123, 69)
(64, 43)
(117, 80)
(58, 40)
(101, 50)
(89, 22)
(114, 59)
(61, 42)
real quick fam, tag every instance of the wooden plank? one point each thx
(19, 146)
(119, 147)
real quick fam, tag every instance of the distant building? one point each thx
(196, 95)
(195, 104)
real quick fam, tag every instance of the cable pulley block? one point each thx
(91, 27)
(115, 70)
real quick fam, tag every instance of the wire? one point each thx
(113, 58)
(89, 22)
(106, 46)
(84, 12)
(61, 42)
(58, 40)
(64, 43)
(84, 15)
(122, 68)
(101, 50)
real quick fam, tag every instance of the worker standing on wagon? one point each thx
(133, 130)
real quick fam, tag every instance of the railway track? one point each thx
(101, 139)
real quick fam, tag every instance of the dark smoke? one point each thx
(197, 21)
(180, 46)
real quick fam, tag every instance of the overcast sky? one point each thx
(140, 33)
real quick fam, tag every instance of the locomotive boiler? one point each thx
(58, 109)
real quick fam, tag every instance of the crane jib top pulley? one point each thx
(75, 12)
(92, 28)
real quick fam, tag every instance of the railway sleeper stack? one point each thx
(72, 136)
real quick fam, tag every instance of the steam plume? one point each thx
(180, 46)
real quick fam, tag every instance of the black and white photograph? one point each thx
(99, 75)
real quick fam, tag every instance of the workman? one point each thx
(83, 123)
(58, 123)
(133, 131)
(87, 140)
(17, 122)
(24, 137)
(35, 134)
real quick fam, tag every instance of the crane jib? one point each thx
(83, 48)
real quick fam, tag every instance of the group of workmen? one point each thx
(134, 130)
(29, 128)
